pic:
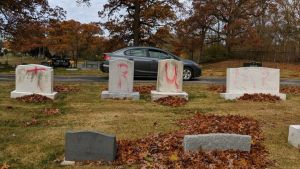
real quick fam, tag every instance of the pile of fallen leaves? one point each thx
(51, 111)
(65, 89)
(34, 98)
(173, 101)
(259, 97)
(32, 122)
(166, 150)
(217, 88)
(291, 89)
(145, 90)
(4, 166)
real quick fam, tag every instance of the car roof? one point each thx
(138, 47)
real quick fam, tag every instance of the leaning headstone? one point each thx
(217, 141)
(34, 79)
(294, 136)
(90, 146)
(252, 80)
(120, 85)
(169, 80)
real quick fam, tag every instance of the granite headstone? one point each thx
(88, 145)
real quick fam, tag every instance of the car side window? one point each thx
(136, 52)
(158, 54)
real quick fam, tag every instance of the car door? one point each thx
(141, 61)
(155, 56)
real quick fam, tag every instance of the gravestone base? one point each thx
(233, 96)
(155, 95)
(294, 136)
(67, 163)
(15, 94)
(130, 96)
(216, 141)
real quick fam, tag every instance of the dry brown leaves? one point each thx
(172, 101)
(66, 89)
(166, 150)
(290, 89)
(146, 90)
(217, 88)
(32, 122)
(51, 111)
(259, 97)
(34, 98)
(5, 166)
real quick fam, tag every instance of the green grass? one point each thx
(38, 146)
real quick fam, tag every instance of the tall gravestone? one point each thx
(90, 146)
(169, 80)
(252, 80)
(34, 79)
(120, 85)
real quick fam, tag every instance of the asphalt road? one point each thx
(200, 80)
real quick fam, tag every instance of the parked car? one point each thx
(60, 62)
(146, 61)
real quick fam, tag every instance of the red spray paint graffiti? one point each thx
(174, 79)
(35, 72)
(124, 73)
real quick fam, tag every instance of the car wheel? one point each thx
(187, 73)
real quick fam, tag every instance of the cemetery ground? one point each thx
(33, 138)
(218, 69)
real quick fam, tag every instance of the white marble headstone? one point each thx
(120, 85)
(169, 78)
(252, 80)
(34, 79)
(120, 76)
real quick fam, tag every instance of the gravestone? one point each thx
(217, 141)
(34, 79)
(294, 136)
(250, 80)
(120, 84)
(90, 146)
(169, 80)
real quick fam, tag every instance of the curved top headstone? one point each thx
(120, 76)
(169, 76)
(89, 145)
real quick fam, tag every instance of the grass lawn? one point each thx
(39, 145)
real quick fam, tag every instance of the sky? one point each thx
(81, 13)
(78, 12)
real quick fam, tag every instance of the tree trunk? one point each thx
(136, 24)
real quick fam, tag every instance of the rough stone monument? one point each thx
(169, 80)
(120, 83)
(294, 136)
(250, 80)
(34, 79)
(217, 141)
(87, 145)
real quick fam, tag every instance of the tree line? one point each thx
(202, 30)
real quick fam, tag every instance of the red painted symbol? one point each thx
(35, 70)
(124, 73)
(174, 79)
